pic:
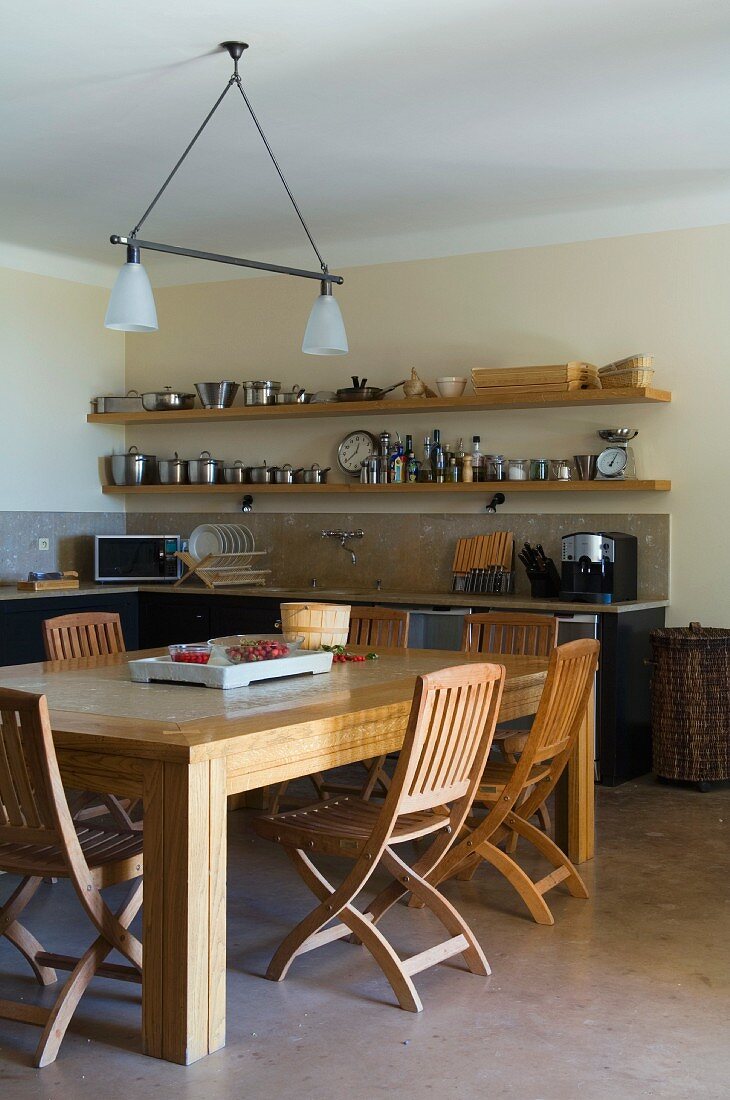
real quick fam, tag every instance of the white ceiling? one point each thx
(407, 128)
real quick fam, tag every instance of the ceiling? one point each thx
(406, 129)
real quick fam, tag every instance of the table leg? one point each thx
(183, 1001)
(575, 795)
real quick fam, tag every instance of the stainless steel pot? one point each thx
(295, 396)
(133, 468)
(172, 471)
(312, 475)
(217, 395)
(284, 475)
(237, 474)
(167, 400)
(111, 404)
(260, 393)
(262, 475)
(204, 470)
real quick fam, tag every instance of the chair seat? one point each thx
(349, 819)
(101, 847)
(497, 775)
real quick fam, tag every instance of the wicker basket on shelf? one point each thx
(318, 623)
(636, 370)
(690, 703)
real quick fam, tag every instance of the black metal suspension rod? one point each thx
(259, 265)
(197, 134)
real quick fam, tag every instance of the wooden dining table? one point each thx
(185, 749)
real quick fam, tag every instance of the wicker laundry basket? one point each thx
(690, 703)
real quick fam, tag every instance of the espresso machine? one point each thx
(598, 567)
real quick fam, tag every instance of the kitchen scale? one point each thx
(616, 462)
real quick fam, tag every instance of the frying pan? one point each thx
(360, 392)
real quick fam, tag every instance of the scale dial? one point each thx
(354, 449)
(612, 462)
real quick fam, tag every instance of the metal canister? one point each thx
(496, 467)
(539, 469)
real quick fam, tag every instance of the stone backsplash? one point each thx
(70, 536)
(405, 552)
(413, 552)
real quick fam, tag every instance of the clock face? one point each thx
(612, 462)
(354, 448)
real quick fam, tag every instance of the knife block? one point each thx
(544, 585)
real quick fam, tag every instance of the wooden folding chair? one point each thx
(517, 634)
(89, 634)
(536, 772)
(37, 839)
(446, 745)
(369, 626)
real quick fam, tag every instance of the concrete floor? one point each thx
(626, 996)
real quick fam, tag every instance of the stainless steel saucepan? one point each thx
(204, 470)
(312, 475)
(133, 468)
(172, 471)
(167, 400)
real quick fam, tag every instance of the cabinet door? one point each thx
(165, 619)
(21, 639)
(238, 615)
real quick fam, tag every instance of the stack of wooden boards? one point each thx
(533, 381)
(484, 563)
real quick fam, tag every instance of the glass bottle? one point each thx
(396, 470)
(426, 471)
(460, 455)
(412, 465)
(437, 454)
(476, 460)
(452, 472)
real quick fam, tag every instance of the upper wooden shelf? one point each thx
(484, 487)
(574, 399)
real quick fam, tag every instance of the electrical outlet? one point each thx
(44, 544)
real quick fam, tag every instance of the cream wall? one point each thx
(667, 294)
(56, 355)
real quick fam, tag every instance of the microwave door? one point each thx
(131, 559)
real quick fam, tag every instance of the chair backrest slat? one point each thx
(26, 803)
(449, 734)
(523, 635)
(379, 626)
(567, 688)
(88, 634)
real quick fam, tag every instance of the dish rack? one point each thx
(219, 570)
(636, 370)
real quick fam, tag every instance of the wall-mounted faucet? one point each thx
(344, 537)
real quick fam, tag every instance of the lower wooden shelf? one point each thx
(643, 486)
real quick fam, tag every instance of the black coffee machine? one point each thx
(598, 567)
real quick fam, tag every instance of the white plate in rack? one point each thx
(150, 669)
(204, 540)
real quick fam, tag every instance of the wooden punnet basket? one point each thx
(318, 623)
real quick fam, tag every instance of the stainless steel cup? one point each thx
(586, 466)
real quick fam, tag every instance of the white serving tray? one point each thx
(148, 669)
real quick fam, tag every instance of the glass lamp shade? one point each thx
(325, 332)
(132, 303)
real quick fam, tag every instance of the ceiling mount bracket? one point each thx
(235, 49)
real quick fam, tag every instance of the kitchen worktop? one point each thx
(346, 595)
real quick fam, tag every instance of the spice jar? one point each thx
(519, 469)
(496, 467)
(539, 469)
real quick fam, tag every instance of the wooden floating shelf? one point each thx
(483, 487)
(637, 395)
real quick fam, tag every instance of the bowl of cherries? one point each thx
(198, 654)
(239, 649)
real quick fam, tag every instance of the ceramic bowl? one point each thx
(451, 386)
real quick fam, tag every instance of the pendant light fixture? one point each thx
(132, 304)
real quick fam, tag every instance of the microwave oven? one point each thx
(125, 558)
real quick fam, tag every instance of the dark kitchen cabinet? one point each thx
(168, 617)
(20, 621)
